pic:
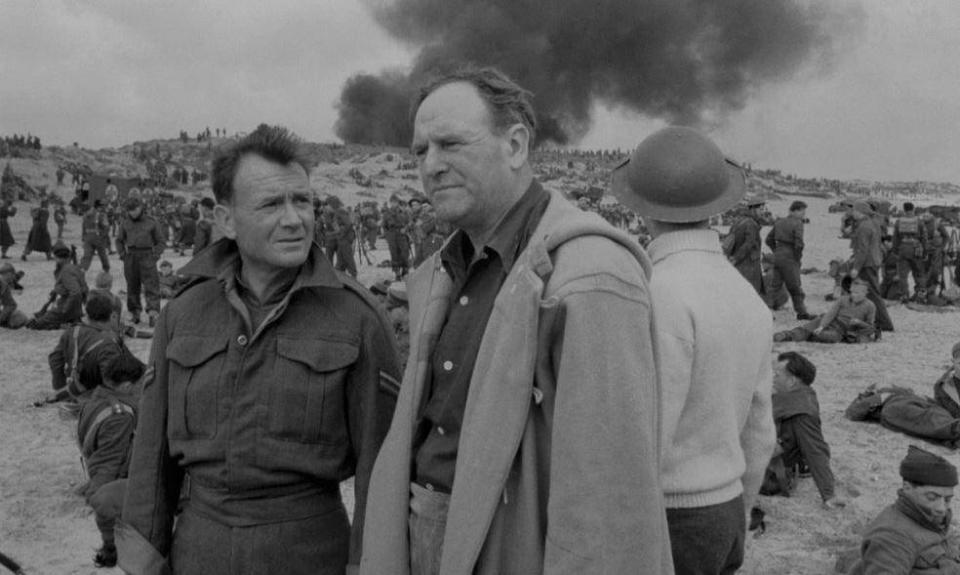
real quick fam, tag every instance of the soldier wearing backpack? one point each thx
(105, 431)
(85, 351)
(909, 241)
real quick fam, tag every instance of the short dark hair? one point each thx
(798, 205)
(507, 102)
(799, 366)
(99, 306)
(908, 206)
(208, 203)
(845, 283)
(273, 143)
(121, 370)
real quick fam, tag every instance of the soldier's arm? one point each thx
(72, 283)
(798, 238)
(121, 240)
(156, 235)
(860, 249)
(815, 451)
(887, 551)
(111, 450)
(742, 244)
(831, 315)
(373, 388)
(57, 360)
(145, 531)
(871, 317)
(771, 239)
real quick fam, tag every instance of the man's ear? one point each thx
(223, 216)
(518, 138)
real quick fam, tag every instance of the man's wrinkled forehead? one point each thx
(264, 174)
(451, 107)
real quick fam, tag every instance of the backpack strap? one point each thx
(74, 373)
(87, 440)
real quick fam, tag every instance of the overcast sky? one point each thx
(107, 73)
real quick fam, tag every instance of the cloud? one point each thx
(107, 73)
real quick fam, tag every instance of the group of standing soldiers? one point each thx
(410, 228)
(918, 244)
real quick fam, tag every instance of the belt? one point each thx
(133, 249)
(262, 506)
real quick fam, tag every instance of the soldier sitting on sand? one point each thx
(84, 352)
(911, 536)
(69, 292)
(10, 316)
(170, 282)
(850, 319)
(105, 430)
(796, 413)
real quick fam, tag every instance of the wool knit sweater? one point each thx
(713, 346)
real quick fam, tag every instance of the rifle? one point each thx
(43, 310)
(10, 564)
(361, 249)
(57, 397)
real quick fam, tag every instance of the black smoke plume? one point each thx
(679, 60)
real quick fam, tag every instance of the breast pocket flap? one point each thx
(320, 355)
(191, 351)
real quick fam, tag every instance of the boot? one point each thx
(106, 556)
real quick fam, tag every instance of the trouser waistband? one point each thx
(268, 505)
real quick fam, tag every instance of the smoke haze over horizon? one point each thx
(690, 62)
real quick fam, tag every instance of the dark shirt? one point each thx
(797, 416)
(477, 277)
(98, 349)
(787, 237)
(142, 233)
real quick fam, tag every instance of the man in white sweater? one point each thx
(713, 348)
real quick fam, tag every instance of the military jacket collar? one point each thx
(223, 257)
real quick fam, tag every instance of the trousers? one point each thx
(140, 269)
(786, 272)
(708, 540)
(313, 546)
(427, 522)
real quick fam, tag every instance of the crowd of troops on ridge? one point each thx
(274, 375)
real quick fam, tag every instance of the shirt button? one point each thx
(242, 340)
(447, 366)
(441, 431)
(464, 300)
